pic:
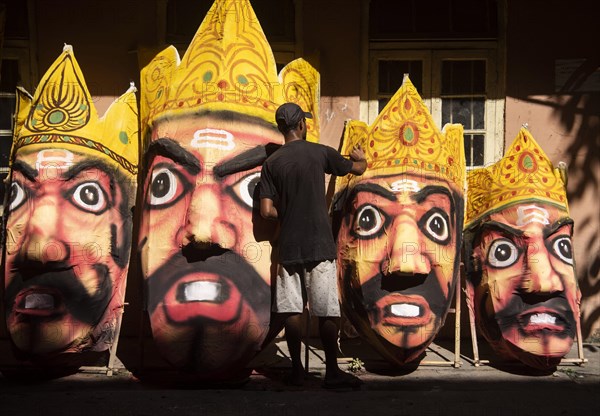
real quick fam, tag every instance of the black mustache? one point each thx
(520, 304)
(62, 278)
(428, 287)
(228, 264)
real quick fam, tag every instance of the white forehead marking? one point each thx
(217, 139)
(58, 159)
(404, 185)
(532, 213)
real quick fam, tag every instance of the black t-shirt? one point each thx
(294, 178)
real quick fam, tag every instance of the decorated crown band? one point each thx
(404, 138)
(62, 111)
(228, 66)
(524, 174)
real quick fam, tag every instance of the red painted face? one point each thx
(398, 248)
(527, 299)
(203, 244)
(67, 250)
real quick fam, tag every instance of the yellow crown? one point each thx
(229, 66)
(524, 174)
(355, 133)
(62, 111)
(404, 138)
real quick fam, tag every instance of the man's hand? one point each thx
(357, 153)
(359, 160)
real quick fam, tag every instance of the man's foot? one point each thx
(294, 378)
(341, 380)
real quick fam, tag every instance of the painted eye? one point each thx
(562, 248)
(244, 189)
(17, 196)
(503, 253)
(368, 221)
(435, 225)
(166, 187)
(90, 197)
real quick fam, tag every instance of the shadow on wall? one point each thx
(579, 114)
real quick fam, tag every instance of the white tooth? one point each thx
(405, 309)
(201, 291)
(39, 301)
(542, 318)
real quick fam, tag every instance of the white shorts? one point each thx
(312, 283)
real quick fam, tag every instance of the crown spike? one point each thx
(404, 138)
(132, 87)
(62, 111)
(525, 173)
(228, 66)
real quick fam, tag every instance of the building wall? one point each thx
(105, 36)
(332, 44)
(565, 122)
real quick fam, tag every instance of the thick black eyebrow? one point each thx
(424, 193)
(76, 169)
(27, 171)
(374, 189)
(246, 160)
(556, 225)
(499, 226)
(170, 148)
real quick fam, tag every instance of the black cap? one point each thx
(288, 115)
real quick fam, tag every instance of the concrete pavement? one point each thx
(441, 389)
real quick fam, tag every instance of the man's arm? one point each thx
(359, 161)
(267, 209)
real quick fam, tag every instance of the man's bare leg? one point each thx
(293, 337)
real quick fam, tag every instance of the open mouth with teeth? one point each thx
(38, 301)
(542, 319)
(403, 310)
(202, 295)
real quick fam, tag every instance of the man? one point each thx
(292, 190)
(68, 227)
(520, 277)
(401, 228)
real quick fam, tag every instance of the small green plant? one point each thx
(355, 365)
(572, 374)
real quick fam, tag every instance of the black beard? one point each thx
(519, 304)
(82, 306)
(429, 289)
(230, 265)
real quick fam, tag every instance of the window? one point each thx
(456, 68)
(463, 95)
